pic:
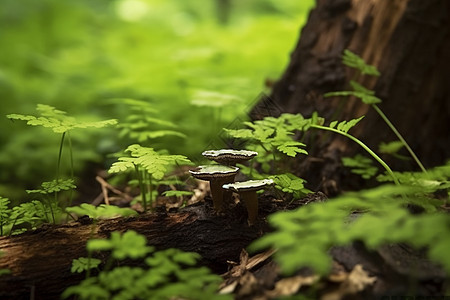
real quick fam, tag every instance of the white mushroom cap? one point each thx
(229, 156)
(249, 185)
(213, 171)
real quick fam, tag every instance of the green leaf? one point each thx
(292, 148)
(391, 147)
(360, 165)
(129, 245)
(57, 120)
(352, 60)
(87, 289)
(54, 186)
(366, 98)
(82, 264)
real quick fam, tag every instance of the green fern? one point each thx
(169, 274)
(367, 96)
(128, 245)
(352, 60)
(82, 264)
(148, 164)
(57, 120)
(345, 126)
(5, 212)
(53, 186)
(102, 211)
(139, 125)
(303, 237)
(360, 165)
(289, 183)
(292, 148)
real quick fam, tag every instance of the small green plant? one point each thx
(139, 125)
(276, 134)
(360, 165)
(82, 264)
(168, 274)
(273, 139)
(53, 187)
(5, 211)
(148, 165)
(304, 236)
(367, 96)
(59, 122)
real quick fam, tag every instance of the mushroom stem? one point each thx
(217, 194)
(251, 202)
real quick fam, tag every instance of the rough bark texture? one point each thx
(40, 260)
(408, 41)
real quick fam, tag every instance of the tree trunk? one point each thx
(409, 42)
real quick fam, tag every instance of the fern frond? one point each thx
(292, 148)
(54, 186)
(345, 126)
(352, 60)
(57, 120)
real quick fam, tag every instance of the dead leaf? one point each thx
(290, 286)
(354, 282)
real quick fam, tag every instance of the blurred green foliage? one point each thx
(199, 64)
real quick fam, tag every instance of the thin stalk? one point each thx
(399, 136)
(373, 154)
(61, 144)
(142, 187)
(60, 155)
(88, 271)
(71, 167)
(51, 210)
(150, 190)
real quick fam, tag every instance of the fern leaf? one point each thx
(82, 264)
(124, 164)
(292, 148)
(360, 88)
(54, 186)
(352, 60)
(345, 126)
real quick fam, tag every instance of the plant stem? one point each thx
(399, 136)
(71, 168)
(373, 154)
(61, 144)
(142, 187)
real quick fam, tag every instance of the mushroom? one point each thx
(217, 175)
(229, 157)
(247, 192)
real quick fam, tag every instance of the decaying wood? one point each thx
(40, 260)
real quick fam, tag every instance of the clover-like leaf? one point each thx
(82, 264)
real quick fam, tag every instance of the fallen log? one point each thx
(40, 260)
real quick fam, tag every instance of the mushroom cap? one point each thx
(214, 171)
(229, 156)
(249, 185)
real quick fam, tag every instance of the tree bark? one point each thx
(40, 260)
(409, 42)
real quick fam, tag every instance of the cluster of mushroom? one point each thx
(221, 179)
